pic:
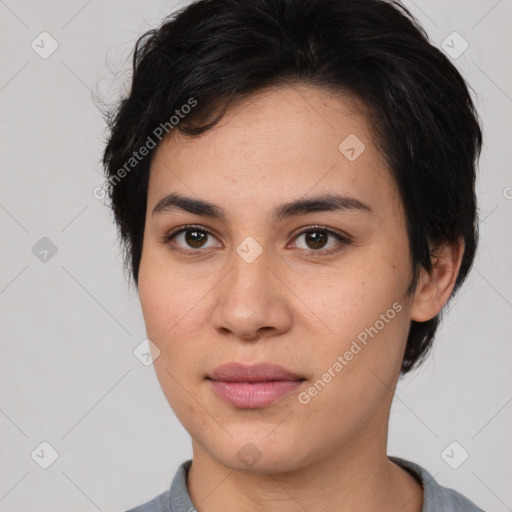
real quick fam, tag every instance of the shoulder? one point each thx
(436, 497)
(158, 504)
(175, 499)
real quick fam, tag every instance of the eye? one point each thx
(190, 239)
(194, 237)
(316, 239)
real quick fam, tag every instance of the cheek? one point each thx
(365, 310)
(167, 295)
(352, 298)
(356, 373)
(171, 301)
(166, 304)
(155, 304)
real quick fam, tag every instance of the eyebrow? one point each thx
(323, 203)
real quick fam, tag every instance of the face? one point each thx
(318, 288)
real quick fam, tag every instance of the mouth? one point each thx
(254, 386)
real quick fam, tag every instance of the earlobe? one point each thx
(434, 289)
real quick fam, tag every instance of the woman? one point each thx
(294, 185)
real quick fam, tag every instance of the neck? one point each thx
(357, 475)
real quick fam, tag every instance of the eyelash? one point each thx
(312, 253)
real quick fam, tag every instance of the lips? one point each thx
(254, 386)
(261, 372)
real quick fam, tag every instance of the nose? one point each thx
(252, 301)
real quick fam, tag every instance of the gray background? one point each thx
(69, 325)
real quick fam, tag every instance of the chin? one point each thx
(257, 454)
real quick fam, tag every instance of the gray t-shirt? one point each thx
(435, 497)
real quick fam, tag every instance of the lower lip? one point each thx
(252, 395)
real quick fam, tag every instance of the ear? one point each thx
(434, 290)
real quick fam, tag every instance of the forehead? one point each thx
(281, 143)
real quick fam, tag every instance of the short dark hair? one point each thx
(217, 52)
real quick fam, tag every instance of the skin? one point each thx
(287, 308)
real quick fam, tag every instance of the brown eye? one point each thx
(190, 239)
(195, 238)
(316, 239)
